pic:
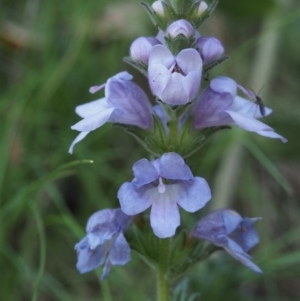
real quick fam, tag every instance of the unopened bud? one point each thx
(202, 7)
(209, 48)
(141, 47)
(182, 27)
(158, 7)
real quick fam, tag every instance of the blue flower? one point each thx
(125, 102)
(219, 105)
(175, 80)
(104, 242)
(227, 229)
(163, 184)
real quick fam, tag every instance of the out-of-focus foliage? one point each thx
(51, 52)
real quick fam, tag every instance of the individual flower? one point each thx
(210, 49)
(124, 102)
(174, 79)
(141, 47)
(227, 229)
(163, 184)
(182, 27)
(219, 105)
(104, 243)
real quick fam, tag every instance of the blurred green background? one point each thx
(51, 52)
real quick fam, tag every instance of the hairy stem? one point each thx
(163, 289)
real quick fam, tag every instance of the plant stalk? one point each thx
(163, 285)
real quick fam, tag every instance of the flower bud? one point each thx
(141, 47)
(209, 48)
(202, 7)
(180, 27)
(158, 7)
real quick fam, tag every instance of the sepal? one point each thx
(179, 43)
(183, 251)
(142, 241)
(186, 252)
(214, 63)
(153, 141)
(198, 17)
(182, 7)
(191, 141)
(141, 67)
(174, 112)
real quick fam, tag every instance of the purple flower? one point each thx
(219, 105)
(227, 229)
(124, 102)
(163, 184)
(174, 80)
(182, 27)
(209, 48)
(104, 242)
(141, 47)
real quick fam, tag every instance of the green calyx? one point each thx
(177, 135)
(179, 43)
(173, 256)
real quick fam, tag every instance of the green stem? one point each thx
(163, 287)
(173, 133)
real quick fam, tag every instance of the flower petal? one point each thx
(106, 269)
(231, 220)
(132, 199)
(88, 259)
(194, 196)
(246, 235)
(160, 54)
(100, 217)
(144, 173)
(224, 84)
(159, 76)
(237, 253)
(119, 253)
(164, 214)
(90, 108)
(80, 137)
(189, 60)
(173, 167)
(191, 83)
(248, 108)
(214, 225)
(174, 92)
(207, 108)
(93, 122)
(135, 108)
(253, 125)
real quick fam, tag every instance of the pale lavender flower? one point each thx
(141, 47)
(227, 229)
(174, 79)
(209, 48)
(219, 105)
(124, 102)
(163, 184)
(182, 27)
(104, 243)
